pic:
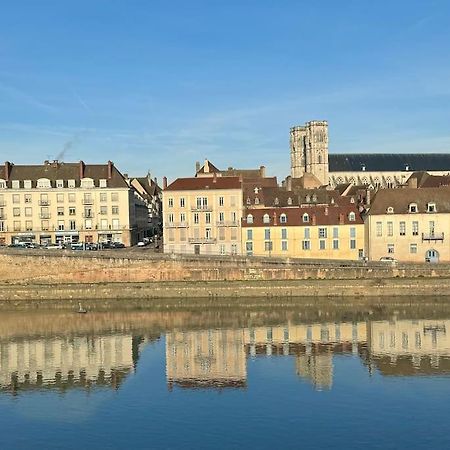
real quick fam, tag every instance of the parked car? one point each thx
(54, 247)
(117, 245)
(141, 244)
(388, 259)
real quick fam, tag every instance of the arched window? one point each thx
(305, 217)
(43, 183)
(352, 199)
(276, 201)
(256, 201)
(283, 218)
(289, 201)
(352, 216)
(249, 202)
(249, 218)
(314, 198)
(390, 210)
(319, 158)
(266, 218)
(308, 199)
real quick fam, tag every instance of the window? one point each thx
(249, 218)
(305, 217)
(182, 217)
(256, 201)
(221, 234)
(402, 228)
(102, 183)
(16, 212)
(284, 233)
(335, 244)
(352, 232)
(27, 184)
(16, 225)
(268, 246)
(103, 210)
(267, 234)
(115, 210)
(335, 232)
(322, 244)
(59, 183)
(103, 197)
(71, 197)
(307, 233)
(249, 235)
(390, 248)
(221, 201)
(412, 208)
(16, 198)
(390, 229)
(72, 225)
(306, 245)
(28, 225)
(28, 212)
(322, 232)
(87, 183)
(60, 198)
(415, 228)
(70, 183)
(233, 234)
(431, 207)
(249, 248)
(352, 217)
(44, 225)
(289, 201)
(170, 218)
(115, 224)
(27, 198)
(88, 224)
(413, 248)
(266, 218)
(2, 184)
(284, 246)
(208, 217)
(15, 184)
(170, 203)
(182, 202)
(352, 244)
(61, 225)
(233, 200)
(60, 211)
(233, 217)
(283, 218)
(379, 229)
(196, 218)
(390, 210)
(114, 196)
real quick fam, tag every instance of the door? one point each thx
(432, 256)
(196, 249)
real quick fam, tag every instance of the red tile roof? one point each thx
(201, 183)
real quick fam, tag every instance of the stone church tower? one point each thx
(309, 150)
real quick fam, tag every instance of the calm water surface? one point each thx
(291, 377)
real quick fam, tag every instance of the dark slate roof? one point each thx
(346, 162)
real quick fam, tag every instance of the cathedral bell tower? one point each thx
(309, 150)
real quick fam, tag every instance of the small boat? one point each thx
(81, 310)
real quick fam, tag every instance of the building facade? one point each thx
(411, 225)
(61, 202)
(202, 215)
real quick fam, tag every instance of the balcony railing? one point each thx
(176, 225)
(227, 223)
(89, 215)
(202, 240)
(433, 236)
(201, 208)
(88, 201)
(44, 202)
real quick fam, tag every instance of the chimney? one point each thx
(275, 218)
(164, 182)
(368, 197)
(289, 183)
(412, 182)
(81, 170)
(197, 166)
(215, 177)
(326, 210)
(313, 219)
(155, 181)
(341, 219)
(7, 170)
(262, 171)
(206, 166)
(110, 167)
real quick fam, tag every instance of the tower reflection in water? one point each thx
(37, 354)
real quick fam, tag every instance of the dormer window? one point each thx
(27, 184)
(305, 217)
(266, 218)
(87, 183)
(256, 201)
(412, 208)
(102, 183)
(314, 198)
(2, 184)
(390, 210)
(289, 201)
(43, 183)
(276, 201)
(352, 199)
(283, 218)
(352, 216)
(308, 199)
(249, 218)
(71, 183)
(249, 202)
(431, 207)
(59, 183)
(332, 200)
(15, 184)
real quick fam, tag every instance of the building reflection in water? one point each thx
(65, 362)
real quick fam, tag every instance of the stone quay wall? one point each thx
(115, 275)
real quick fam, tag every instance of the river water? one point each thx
(297, 376)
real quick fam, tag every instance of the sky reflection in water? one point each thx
(297, 377)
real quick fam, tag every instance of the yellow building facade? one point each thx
(67, 203)
(203, 216)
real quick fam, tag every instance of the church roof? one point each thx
(380, 162)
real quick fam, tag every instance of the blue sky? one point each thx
(156, 85)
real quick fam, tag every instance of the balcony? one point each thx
(201, 208)
(433, 237)
(44, 216)
(88, 215)
(176, 225)
(227, 223)
(88, 201)
(44, 202)
(202, 240)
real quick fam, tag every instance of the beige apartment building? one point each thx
(59, 202)
(411, 225)
(202, 215)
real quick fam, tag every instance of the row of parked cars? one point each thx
(69, 246)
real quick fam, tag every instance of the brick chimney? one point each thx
(341, 219)
(313, 219)
(412, 182)
(197, 166)
(215, 177)
(7, 170)
(326, 210)
(289, 183)
(206, 166)
(262, 171)
(164, 182)
(275, 218)
(82, 166)
(110, 169)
